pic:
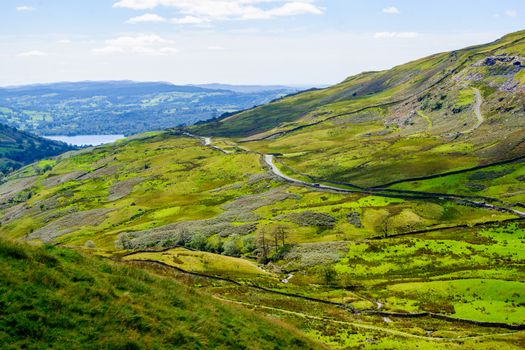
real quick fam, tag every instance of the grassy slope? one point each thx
(362, 90)
(137, 194)
(161, 190)
(428, 131)
(57, 298)
(180, 192)
(19, 148)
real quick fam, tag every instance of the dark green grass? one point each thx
(60, 299)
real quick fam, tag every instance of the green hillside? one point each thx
(61, 299)
(19, 148)
(368, 89)
(203, 211)
(442, 113)
(385, 212)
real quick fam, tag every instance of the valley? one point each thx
(122, 107)
(385, 212)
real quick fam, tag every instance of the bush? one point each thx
(12, 250)
(309, 218)
(231, 247)
(90, 244)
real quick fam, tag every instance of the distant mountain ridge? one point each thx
(247, 88)
(99, 86)
(121, 107)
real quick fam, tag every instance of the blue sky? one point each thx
(298, 42)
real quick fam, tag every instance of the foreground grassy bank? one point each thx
(61, 299)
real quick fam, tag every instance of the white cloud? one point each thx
(25, 8)
(147, 18)
(392, 10)
(202, 11)
(32, 53)
(64, 41)
(148, 45)
(295, 8)
(511, 13)
(189, 20)
(396, 35)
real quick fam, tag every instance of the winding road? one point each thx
(206, 141)
(269, 160)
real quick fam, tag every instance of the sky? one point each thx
(290, 42)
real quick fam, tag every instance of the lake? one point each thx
(86, 140)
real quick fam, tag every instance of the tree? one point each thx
(329, 274)
(263, 248)
(278, 234)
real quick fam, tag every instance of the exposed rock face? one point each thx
(493, 60)
(500, 71)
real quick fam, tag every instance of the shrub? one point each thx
(90, 244)
(309, 218)
(231, 247)
(12, 250)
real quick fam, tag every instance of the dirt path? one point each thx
(430, 124)
(359, 325)
(477, 111)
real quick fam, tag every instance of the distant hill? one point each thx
(248, 88)
(121, 107)
(20, 148)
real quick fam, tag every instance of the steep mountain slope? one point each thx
(441, 113)
(20, 148)
(119, 107)
(374, 88)
(60, 299)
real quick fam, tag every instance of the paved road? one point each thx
(268, 159)
(206, 141)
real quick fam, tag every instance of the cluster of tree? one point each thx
(268, 244)
(271, 243)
